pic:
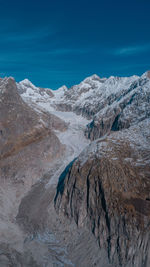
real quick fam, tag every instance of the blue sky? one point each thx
(61, 42)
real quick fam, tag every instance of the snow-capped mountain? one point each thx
(127, 107)
(90, 96)
(107, 188)
(75, 172)
(109, 104)
(28, 90)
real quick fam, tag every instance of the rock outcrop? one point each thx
(108, 189)
(21, 126)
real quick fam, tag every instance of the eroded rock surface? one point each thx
(28, 148)
(27, 139)
(108, 189)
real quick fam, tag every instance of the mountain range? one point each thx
(75, 173)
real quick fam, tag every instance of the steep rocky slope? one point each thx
(28, 148)
(21, 126)
(128, 108)
(102, 198)
(42, 144)
(108, 189)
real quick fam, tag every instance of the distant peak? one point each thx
(93, 77)
(117, 78)
(5, 80)
(146, 74)
(63, 88)
(27, 83)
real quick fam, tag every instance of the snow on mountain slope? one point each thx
(109, 104)
(73, 138)
(91, 95)
(112, 103)
(129, 107)
(118, 107)
(59, 93)
(107, 187)
(30, 91)
(86, 99)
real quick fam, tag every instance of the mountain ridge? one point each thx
(79, 194)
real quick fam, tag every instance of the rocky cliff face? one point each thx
(108, 189)
(28, 147)
(22, 129)
(127, 109)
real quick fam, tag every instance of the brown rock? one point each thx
(24, 134)
(108, 189)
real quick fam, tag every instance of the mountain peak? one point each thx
(27, 82)
(63, 88)
(93, 77)
(6, 83)
(146, 74)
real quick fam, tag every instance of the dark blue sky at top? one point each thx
(61, 42)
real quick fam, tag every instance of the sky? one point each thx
(57, 42)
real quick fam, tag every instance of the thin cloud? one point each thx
(131, 50)
(65, 51)
(26, 35)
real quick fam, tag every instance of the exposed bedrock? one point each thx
(27, 139)
(108, 189)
